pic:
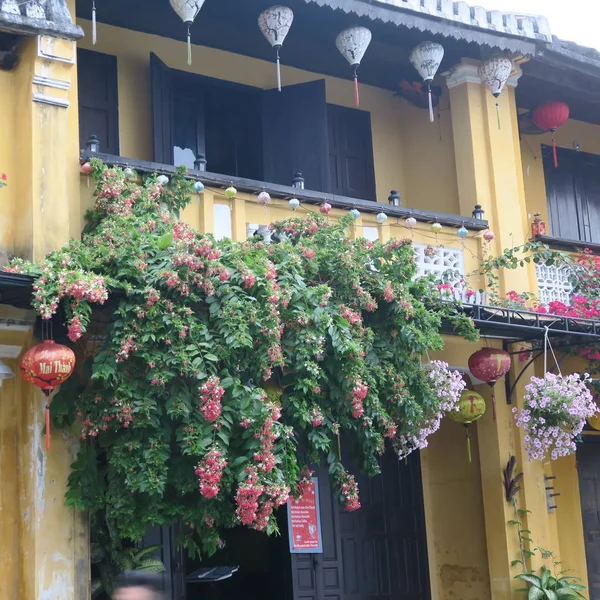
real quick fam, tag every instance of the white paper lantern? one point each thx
(275, 23)
(494, 73)
(426, 58)
(352, 44)
(187, 10)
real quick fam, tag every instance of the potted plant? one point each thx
(554, 414)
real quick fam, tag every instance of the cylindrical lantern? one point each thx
(187, 10)
(47, 365)
(471, 407)
(275, 23)
(352, 44)
(538, 227)
(549, 117)
(426, 58)
(490, 365)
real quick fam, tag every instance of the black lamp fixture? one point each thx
(478, 212)
(93, 144)
(298, 181)
(394, 198)
(200, 163)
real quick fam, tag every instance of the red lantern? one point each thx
(490, 365)
(538, 227)
(549, 117)
(47, 365)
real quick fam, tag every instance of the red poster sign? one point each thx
(304, 521)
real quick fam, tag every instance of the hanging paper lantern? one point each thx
(352, 44)
(549, 117)
(426, 58)
(410, 223)
(471, 407)
(381, 218)
(293, 203)
(494, 73)
(86, 168)
(187, 11)
(325, 208)
(355, 213)
(129, 173)
(231, 192)
(488, 235)
(47, 365)
(490, 365)
(198, 187)
(538, 227)
(264, 198)
(275, 23)
(463, 232)
(436, 227)
(162, 180)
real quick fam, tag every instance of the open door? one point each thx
(162, 107)
(295, 135)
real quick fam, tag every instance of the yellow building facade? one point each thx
(475, 153)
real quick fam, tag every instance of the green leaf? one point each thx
(535, 593)
(165, 241)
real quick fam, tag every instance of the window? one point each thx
(573, 193)
(264, 135)
(98, 99)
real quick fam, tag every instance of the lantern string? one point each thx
(278, 71)
(47, 426)
(498, 114)
(94, 25)
(356, 90)
(468, 443)
(339, 443)
(493, 401)
(189, 46)
(554, 152)
(431, 115)
(548, 345)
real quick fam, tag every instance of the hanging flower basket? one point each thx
(555, 411)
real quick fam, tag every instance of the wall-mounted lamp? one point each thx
(478, 212)
(298, 181)
(200, 163)
(394, 198)
(93, 144)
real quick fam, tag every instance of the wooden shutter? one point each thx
(587, 184)
(351, 152)
(98, 99)
(162, 109)
(295, 135)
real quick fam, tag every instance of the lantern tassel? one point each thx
(498, 115)
(94, 25)
(47, 393)
(468, 444)
(431, 115)
(493, 402)
(554, 151)
(356, 90)
(189, 46)
(278, 71)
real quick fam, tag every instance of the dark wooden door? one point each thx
(98, 99)
(162, 110)
(295, 135)
(375, 553)
(588, 464)
(573, 194)
(351, 152)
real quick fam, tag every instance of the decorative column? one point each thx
(488, 162)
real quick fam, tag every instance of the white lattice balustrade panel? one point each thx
(553, 284)
(439, 261)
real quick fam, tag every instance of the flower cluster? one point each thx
(358, 394)
(554, 413)
(348, 489)
(210, 399)
(210, 472)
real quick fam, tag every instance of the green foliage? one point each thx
(223, 368)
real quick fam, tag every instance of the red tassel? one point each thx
(555, 153)
(356, 92)
(47, 427)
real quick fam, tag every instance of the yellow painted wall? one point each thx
(408, 153)
(586, 134)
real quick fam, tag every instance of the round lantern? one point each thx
(47, 365)
(490, 365)
(471, 407)
(352, 44)
(549, 117)
(275, 24)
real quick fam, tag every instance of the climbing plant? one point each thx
(222, 371)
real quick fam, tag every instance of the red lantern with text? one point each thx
(549, 117)
(490, 365)
(47, 365)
